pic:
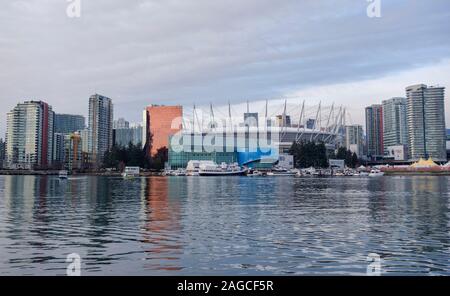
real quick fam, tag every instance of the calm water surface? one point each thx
(224, 226)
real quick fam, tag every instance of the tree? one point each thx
(341, 153)
(119, 157)
(350, 158)
(160, 158)
(355, 160)
(307, 154)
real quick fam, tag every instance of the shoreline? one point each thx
(56, 173)
(159, 174)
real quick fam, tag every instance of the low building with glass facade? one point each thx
(180, 159)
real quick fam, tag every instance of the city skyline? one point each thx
(321, 52)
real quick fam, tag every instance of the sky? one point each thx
(142, 52)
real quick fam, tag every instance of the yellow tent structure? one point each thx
(422, 163)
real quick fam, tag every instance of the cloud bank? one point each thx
(179, 52)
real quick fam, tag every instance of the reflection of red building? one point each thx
(162, 226)
(161, 123)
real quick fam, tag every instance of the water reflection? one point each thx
(162, 224)
(213, 226)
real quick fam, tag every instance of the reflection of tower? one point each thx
(20, 193)
(162, 227)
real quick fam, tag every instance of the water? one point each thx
(224, 226)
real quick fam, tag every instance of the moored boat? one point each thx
(281, 172)
(63, 174)
(131, 172)
(209, 168)
(376, 173)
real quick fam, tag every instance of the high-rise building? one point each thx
(160, 122)
(120, 124)
(124, 136)
(395, 132)
(374, 131)
(29, 135)
(68, 123)
(73, 151)
(2, 152)
(426, 122)
(354, 140)
(100, 127)
(84, 134)
(58, 149)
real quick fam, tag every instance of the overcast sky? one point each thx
(140, 52)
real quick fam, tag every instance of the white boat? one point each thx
(210, 168)
(193, 168)
(63, 174)
(281, 172)
(131, 172)
(255, 174)
(179, 172)
(376, 173)
(310, 171)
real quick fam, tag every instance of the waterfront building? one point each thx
(180, 159)
(354, 139)
(337, 164)
(395, 132)
(286, 161)
(73, 152)
(58, 149)
(100, 138)
(29, 135)
(124, 136)
(425, 113)
(259, 148)
(374, 131)
(161, 122)
(68, 123)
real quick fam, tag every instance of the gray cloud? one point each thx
(176, 51)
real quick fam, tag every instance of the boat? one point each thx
(179, 173)
(193, 168)
(210, 168)
(255, 174)
(281, 172)
(376, 173)
(309, 171)
(63, 174)
(131, 172)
